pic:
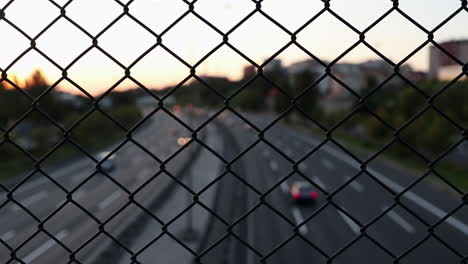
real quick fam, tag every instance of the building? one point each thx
(249, 71)
(313, 67)
(441, 66)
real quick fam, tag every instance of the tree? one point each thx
(309, 100)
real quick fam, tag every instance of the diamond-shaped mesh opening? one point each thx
(14, 237)
(40, 136)
(361, 21)
(445, 102)
(446, 233)
(18, 163)
(259, 30)
(55, 223)
(41, 203)
(224, 14)
(159, 69)
(96, 121)
(98, 15)
(423, 17)
(439, 124)
(225, 132)
(290, 15)
(10, 95)
(48, 14)
(430, 246)
(206, 39)
(359, 188)
(110, 72)
(117, 45)
(397, 95)
(19, 43)
(335, 44)
(363, 245)
(401, 222)
(27, 254)
(161, 15)
(76, 43)
(251, 89)
(397, 28)
(364, 131)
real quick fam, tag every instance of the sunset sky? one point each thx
(191, 39)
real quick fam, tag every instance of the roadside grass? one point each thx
(454, 173)
(95, 133)
(16, 166)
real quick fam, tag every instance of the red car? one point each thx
(302, 191)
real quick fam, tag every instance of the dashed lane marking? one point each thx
(44, 247)
(109, 200)
(30, 200)
(8, 235)
(328, 164)
(299, 219)
(355, 184)
(400, 221)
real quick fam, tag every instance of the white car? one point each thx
(109, 164)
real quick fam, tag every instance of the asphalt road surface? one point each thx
(98, 199)
(255, 219)
(333, 228)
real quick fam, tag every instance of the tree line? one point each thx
(32, 115)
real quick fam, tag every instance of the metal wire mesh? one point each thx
(230, 232)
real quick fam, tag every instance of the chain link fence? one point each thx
(231, 230)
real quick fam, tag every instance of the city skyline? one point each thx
(191, 39)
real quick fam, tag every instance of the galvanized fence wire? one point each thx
(195, 132)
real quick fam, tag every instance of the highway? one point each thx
(98, 199)
(255, 219)
(333, 229)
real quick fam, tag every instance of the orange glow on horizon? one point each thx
(191, 39)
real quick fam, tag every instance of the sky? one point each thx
(191, 39)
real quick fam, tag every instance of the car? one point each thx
(303, 191)
(109, 164)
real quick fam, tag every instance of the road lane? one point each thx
(42, 198)
(44, 247)
(270, 228)
(400, 221)
(397, 235)
(299, 219)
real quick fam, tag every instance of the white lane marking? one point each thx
(328, 164)
(284, 187)
(109, 200)
(319, 182)
(302, 167)
(355, 184)
(299, 219)
(76, 196)
(273, 165)
(251, 227)
(30, 200)
(354, 227)
(44, 247)
(400, 221)
(8, 235)
(56, 174)
(454, 222)
(78, 179)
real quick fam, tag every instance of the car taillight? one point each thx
(313, 194)
(296, 195)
